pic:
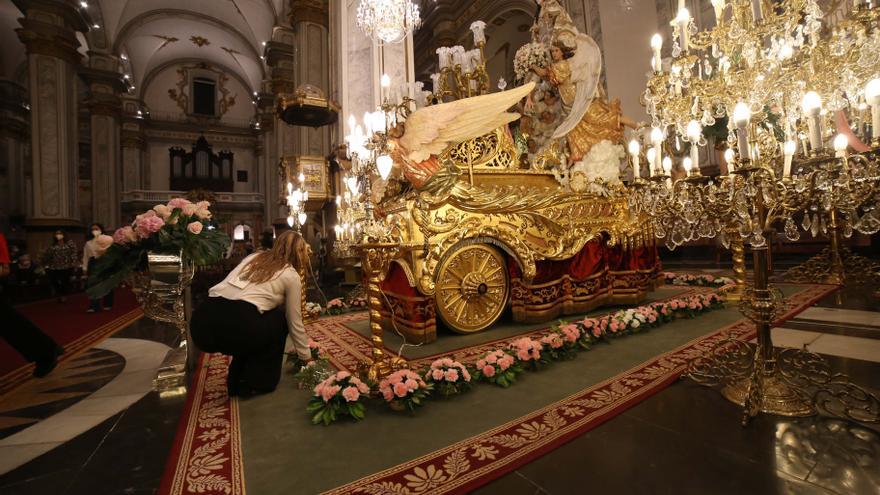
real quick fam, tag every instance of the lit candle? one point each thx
(667, 170)
(840, 145)
(657, 140)
(872, 97)
(694, 133)
(719, 10)
(683, 19)
(728, 160)
(812, 106)
(651, 155)
(788, 150)
(385, 83)
(741, 117)
(656, 45)
(688, 164)
(634, 152)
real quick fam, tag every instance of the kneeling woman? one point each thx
(249, 315)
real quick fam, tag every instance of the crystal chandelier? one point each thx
(388, 21)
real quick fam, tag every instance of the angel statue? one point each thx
(574, 70)
(416, 143)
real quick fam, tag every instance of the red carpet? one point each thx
(70, 326)
(207, 458)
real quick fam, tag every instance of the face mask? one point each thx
(59, 236)
(96, 232)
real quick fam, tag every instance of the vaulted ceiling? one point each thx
(154, 33)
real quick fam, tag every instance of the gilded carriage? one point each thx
(497, 237)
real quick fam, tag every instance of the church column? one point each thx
(310, 21)
(279, 138)
(48, 30)
(134, 144)
(104, 109)
(14, 135)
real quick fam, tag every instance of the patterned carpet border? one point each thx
(206, 454)
(16, 377)
(473, 462)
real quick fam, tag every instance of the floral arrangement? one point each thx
(531, 54)
(700, 280)
(448, 376)
(335, 306)
(339, 395)
(599, 171)
(358, 302)
(404, 389)
(527, 351)
(313, 310)
(180, 226)
(562, 342)
(498, 367)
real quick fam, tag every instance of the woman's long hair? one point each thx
(289, 250)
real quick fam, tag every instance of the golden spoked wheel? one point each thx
(472, 288)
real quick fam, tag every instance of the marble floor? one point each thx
(96, 427)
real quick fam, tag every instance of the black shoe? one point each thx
(46, 367)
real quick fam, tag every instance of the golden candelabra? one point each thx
(461, 73)
(768, 72)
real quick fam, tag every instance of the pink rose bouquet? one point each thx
(339, 395)
(448, 376)
(498, 367)
(526, 350)
(335, 306)
(316, 350)
(179, 227)
(562, 342)
(405, 389)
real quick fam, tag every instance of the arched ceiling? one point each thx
(153, 33)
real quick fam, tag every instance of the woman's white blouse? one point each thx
(284, 288)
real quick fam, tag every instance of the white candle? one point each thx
(741, 117)
(651, 155)
(385, 83)
(694, 133)
(728, 159)
(812, 107)
(788, 150)
(657, 141)
(634, 153)
(656, 45)
(667, 170)
(719, 10)
(872, 98)
(442, 57)
(683, 19)
(478, 28)
(840, 145)
(757, 13)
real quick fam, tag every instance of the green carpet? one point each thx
(285, 454)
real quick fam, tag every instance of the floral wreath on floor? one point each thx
(699, 280)
(406, 390)
(180, 227)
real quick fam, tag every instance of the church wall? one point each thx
(163, 107)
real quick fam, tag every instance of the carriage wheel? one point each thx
(472, 288)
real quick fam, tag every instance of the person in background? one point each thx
(266, 240)
(94, 249)
(250, 313)
(34, 345)
(60, 260)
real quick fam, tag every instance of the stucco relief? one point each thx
(47, 122)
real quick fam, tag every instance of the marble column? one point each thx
(104, 113)
(48, 30)
(14, 135)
